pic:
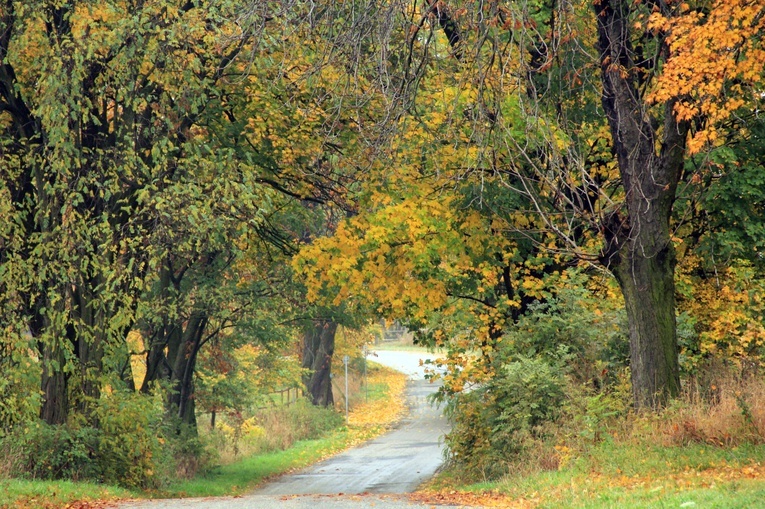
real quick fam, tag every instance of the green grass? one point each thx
(633, 475)
(19, 493)
(242, 476)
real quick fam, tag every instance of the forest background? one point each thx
(566, 196)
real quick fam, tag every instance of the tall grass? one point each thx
(705, 449)
(269, 430)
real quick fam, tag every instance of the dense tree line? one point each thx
(445, 163)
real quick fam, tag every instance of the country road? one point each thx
(376, 474)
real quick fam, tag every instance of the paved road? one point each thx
(395, 463)
(289, 502)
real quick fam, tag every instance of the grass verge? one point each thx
(24, 494)
(614, 475)
(367, 420)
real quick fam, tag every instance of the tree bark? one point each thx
(648, 286)
(183, 367)
(638, 247)
(318, 348)
(54, 384)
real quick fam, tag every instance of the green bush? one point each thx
(19, 383)
(493, 424)
(48, 452)
(529, 392)
(132, 450)
(559, 365)
(127, 447)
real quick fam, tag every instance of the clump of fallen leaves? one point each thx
(53, 503)
(384, 411)
(491, 498)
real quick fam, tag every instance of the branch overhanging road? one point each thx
(377, 473)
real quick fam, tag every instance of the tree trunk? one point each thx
(318, 347)
(649, 295)
(54, 384)
(638, 247)
(182, 353)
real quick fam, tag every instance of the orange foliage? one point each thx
(716, 62)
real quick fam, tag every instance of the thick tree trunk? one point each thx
(318, 348)
(638, 247)
(648, 286)
(54, 384)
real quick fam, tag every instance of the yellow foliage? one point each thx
(710, 56)
(728, 310)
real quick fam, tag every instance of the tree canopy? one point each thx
(182, 176)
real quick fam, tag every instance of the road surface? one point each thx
(367, 476)
(396, 462)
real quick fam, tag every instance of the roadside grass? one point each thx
(27, 494)
(243, 475)
(705, 449)
(616, 474)
(367, 419)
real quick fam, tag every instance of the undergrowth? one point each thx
(704, 449)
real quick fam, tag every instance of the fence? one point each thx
(284, 397)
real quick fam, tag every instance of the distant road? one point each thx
(396, 462)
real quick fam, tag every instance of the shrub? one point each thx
(558, 365)
(131, 446)
(498, 421)
(126, 448)
(49, 452)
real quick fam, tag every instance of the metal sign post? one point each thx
(366, 386)
(345, 361)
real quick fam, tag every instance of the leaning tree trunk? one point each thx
(638, 247)
(318, 347)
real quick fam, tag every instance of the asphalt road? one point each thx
(376, 474)
(396, 462)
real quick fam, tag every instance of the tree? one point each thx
(638, 247)
(318, 348)
(138, 166)
(593, 149)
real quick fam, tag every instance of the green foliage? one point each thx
(48, 452)
(593, 413)
(560, 368)
(498, 421)
(131, 449)
(128, 448)
(580, 327)
(529, 393)
(19, 384)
